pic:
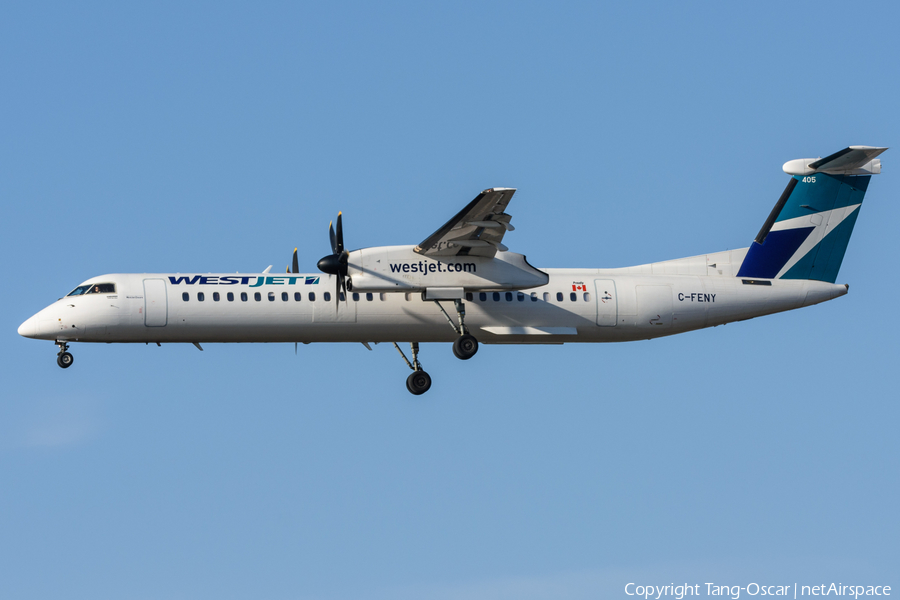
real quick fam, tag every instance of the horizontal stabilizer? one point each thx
(853, 160)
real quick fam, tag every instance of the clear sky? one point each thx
(210, 137)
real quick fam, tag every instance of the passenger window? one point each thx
(230, 296)
(496, 296)
(327, 296)
(546, 296)
(382, 296)
(312, 296)
(200, 297)
(243, 296)
(469, 296)
(341, 296)
(284, 296)
(534, 296)
(271, 296)
(356, 296)
(185, 296)
(257, 296)
(573, 297)
(216, 296)
(509, 296)
(520, 296)
(482, 296)
(408, 296)
(587, 297)
(297, 296)
(369, 297)
(559, 296)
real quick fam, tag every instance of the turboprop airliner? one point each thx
(462, 285)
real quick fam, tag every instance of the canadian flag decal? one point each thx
(579, 287)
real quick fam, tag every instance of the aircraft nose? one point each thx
(29, 328)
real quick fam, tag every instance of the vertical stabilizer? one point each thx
(807, 233)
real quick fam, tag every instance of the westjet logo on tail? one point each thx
(229, 280)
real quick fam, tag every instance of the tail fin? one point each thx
(806, 234)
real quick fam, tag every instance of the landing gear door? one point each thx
(607, 307)
(156, 309)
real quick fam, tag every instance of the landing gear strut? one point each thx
(465, 346)
(63, 358)
(419, 381)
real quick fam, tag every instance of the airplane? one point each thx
(391, 294)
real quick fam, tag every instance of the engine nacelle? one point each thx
(401, 269)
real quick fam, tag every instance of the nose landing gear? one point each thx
(63, 358)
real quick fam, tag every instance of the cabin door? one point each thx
(156, 309)
(607, 307)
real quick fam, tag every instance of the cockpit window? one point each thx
(94, 288)
(81, 289)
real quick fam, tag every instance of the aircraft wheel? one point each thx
(418, 383)
(465, 347)
(65, 360)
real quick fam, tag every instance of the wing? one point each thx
(476, 230)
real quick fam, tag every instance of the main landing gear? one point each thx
(465, 346)
(63, 358)
(419, 381)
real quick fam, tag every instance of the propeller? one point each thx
(336, 263)
(294, 264)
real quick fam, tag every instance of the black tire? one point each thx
(465, 347)
(65, 360)
(418, 383)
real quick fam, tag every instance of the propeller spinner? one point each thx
(336, 263)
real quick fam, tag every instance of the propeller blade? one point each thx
(331, 236)
(340, 236)
(336, 263)
(295, 262)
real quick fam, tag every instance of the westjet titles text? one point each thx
(433, 267)
(243, 280)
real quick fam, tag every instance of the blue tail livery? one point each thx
(807, 233)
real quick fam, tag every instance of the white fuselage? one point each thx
(577, 305)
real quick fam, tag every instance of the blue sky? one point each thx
(219, 136)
